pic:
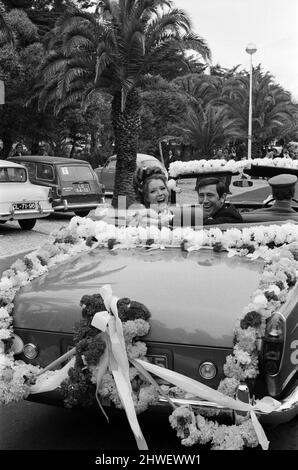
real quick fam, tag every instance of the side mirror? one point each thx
(242, 183)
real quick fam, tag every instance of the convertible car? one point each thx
(196, 296)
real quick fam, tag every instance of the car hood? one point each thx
(22, 191)
(194, 298)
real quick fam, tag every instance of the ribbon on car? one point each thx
(266, 404)
(116, 359)
(47, 382)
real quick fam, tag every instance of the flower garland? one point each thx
(179, 168)
(16, 377)
(284, 162)
(80, 386)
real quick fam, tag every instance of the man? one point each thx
(212, 195)
(283, 190)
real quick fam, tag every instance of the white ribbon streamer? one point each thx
(48, 382)
(118, 361)
(267, 404)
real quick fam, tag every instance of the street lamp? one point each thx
(250, 49)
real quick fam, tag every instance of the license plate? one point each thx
(82, 187)
(24, 206)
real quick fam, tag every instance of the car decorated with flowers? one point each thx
(203, 322)
(19, 199)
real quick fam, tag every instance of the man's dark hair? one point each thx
(220, 186)
(281, 194)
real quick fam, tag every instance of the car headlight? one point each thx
(207, 370)
(30, 351)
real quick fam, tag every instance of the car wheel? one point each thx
(27, 224)
(82, 213)
(2, 221)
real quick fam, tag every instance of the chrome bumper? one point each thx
(287, 410)
(71, 206)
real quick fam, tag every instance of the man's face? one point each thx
(209, 198)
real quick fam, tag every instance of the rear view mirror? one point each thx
(242, 183)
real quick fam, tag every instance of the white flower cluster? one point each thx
(198, 430)
(195, 167)
(130, 237)
(285, 162)
(16, 377)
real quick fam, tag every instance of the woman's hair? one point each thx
(142, 178)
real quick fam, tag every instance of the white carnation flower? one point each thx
(260, 301)
(6, 284)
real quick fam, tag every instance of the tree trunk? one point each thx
(7, 144)
(73, 148)
(34, 146)
(126, 129)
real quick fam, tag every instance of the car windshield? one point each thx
(13, 175)
(150, 162)
(111, 163)
(75, 173)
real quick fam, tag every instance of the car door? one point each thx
(107, 175)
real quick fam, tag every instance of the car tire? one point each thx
(82, 213)
(27, 224)
(2, 221)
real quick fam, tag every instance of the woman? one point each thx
(153, 194)
(151, 187)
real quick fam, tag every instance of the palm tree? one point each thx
(200, 90)
(209, 128)
(273, 109)
(114, 50)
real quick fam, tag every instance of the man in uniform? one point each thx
(283, 190)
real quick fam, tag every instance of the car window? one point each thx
(111, 164)
(13, 175)
(44, 171)
(2, 174)
(150, 163)
(75, 173)
(31, 168)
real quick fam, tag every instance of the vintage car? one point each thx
(73, 182)
(195, 296)
(106, 174)
(20, 199)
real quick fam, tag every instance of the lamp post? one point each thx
(250, 49)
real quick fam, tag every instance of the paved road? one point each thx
(32, 426)
(13, 240)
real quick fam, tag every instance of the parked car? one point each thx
(20, 199)
(106, 174)
(73, 182)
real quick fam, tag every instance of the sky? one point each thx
(229, 25)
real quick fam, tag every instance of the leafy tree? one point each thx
(6, 35)
(114, 50)
(18, 76)
(162, 107)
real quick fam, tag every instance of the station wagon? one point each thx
(73, 182)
